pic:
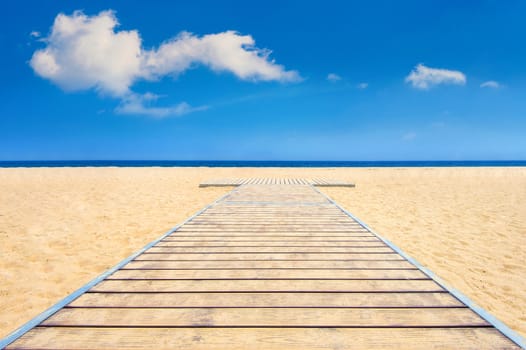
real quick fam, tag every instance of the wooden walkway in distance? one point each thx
(276, 181)
(267, 267)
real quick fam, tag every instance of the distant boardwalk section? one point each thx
(276, 181)
(274, 264)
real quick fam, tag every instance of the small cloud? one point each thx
(136, 104)
(492, 84)
(35, 34)
(409, 136)
(362, 86)
(332, 77)
(422, 77)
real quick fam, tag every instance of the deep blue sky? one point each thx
(373, 43)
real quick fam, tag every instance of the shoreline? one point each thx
(465, 224)
(281, 164)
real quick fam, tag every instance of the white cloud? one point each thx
(86, 52)
(409, 136)
(35, 34)
(422, 77)
(141, 105)
(362, 86)
(227, 51)
(332, 77)
(491, 84)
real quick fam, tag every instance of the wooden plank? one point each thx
(191, 242)
(267, 286)
(272, 228)
(281, 212)
(176, 239)
(267, 204)
(272, 224)
(273, 184)
(263, 274)
(174, 249)
(239, 300)
(267, 256)
(223, 212)
(295, 216)
(267, 221)
(271, 216)
(262, 338)
(356, 264)
(245, 219)
(278, 215)
(296, 209)
(263, 233)
(286, 209)
(266, 317)
(315, 208)
(268, 226)
(271, 233)
(276, 229)
(264, 221)
(261, 204)
(207, 216)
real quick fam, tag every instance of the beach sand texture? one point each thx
(61, 227)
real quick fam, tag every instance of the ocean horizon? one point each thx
(260, 163)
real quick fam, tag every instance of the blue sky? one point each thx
(232, 80)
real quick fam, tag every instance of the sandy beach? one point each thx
(61, 227)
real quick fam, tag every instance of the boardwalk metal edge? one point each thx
(499, 325)
(10, 338)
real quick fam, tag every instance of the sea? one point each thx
(260, 163)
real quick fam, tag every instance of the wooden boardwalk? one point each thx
(276, 181)
(270, 266)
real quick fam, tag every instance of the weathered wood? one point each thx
(265, 240)
(304, 237)
(273, 225)
(322, 182)
(269, 220)
(263, 338)
(236, 299)
(274, 215)
(272, 249)
(268, 286)
(272, 233)
(264, 274)
(267, 256)
(365, 243)
(266, 317)
(273, 228)
(268, 267)
(306, 264)
(260, 229)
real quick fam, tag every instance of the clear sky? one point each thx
(272, 80)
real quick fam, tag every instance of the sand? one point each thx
(61, 227)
